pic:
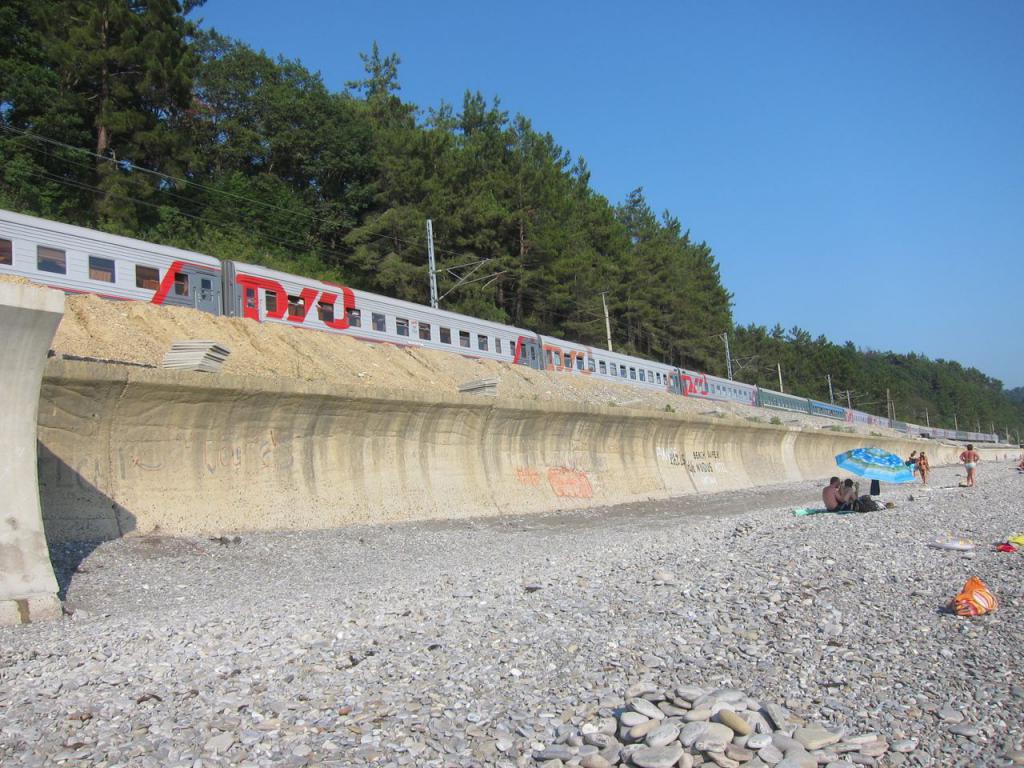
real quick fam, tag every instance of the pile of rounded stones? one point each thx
(690, 726)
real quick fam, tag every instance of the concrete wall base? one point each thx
(125, 449)
(29, 316)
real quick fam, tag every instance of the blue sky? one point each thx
(857, 167)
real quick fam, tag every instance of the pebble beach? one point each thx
(719, 630)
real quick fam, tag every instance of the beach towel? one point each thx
(974, 599)
(805, 511)
(1017, 539)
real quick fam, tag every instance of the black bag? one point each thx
(866, 504)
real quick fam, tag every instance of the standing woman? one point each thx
(923, 467)
(970, 459)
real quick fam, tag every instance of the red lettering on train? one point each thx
(253, 311)
(167, 283)
(348, 301)
(307, 298)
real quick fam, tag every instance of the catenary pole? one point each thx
(831, 397)
(728, 357)
(432, 266)
(607, 320)
(779, 366)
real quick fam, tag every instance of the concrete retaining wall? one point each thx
(29, 316)
(126, 449)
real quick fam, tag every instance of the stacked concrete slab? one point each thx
(29, 316)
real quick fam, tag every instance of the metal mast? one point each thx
(432, 266)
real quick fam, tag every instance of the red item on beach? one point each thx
(974, 599)
(1005, 547)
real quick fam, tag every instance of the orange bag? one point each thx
(974, 599)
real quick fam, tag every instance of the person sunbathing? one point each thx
(831, 495)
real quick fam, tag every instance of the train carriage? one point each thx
(79, 260)
(267, 295)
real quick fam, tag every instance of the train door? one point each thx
(207, 291)
(529, 352)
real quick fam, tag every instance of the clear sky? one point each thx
(857, 167)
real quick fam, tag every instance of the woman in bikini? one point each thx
(923, 467)
(970, 459)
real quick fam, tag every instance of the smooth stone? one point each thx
(554, 752)
(722, 760)
(735, 722)
(719, 732)
(794, 762)
(638, 732)
(698, 713)
(646, 708)
(663, 735)
(630, 719)
(777, 714)
(904, 745)
(599, 740)
(690, 693)
(758, 722)
(949, 715)
(965, 729)
(1015, 756)
(594, 761)
(704, 744)
(770, 754)
(720, 695)
(671, 710)
(691, 732)
(657, 757)
(220, 743)
(860, 738)
(815, 737)
(875, 748)
(840, 764)
(758, 740)
(786, 743)
(686, 761)
(739, 754)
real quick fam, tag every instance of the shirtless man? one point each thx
(970, 459)
(830, 494)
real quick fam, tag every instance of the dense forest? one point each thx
(124, 115)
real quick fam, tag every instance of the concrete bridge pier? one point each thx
(29, 317)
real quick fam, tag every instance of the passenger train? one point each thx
(79, 260)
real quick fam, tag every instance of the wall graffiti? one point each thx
(672, 456)
(570, 483)
(528, 476)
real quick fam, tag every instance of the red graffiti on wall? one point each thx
(570, 483)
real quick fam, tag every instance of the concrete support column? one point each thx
(29, 317)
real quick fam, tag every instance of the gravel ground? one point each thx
(519, 641)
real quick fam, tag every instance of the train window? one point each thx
(632, 373)
(6, 252)
(481, 342)
(446, 335)
(425, 331)
(270, 301)
(568, 359)
(355, 318)
(101, 269)
(650, 375)
(622, 371)
(296, 306)
(250, 298)
(402, 326)
(325, 311)
(579, 362)
(181, 284)
(642, 377)
(51, 260)
(602, 367)
(533, 354)
(378, 322)
(591, 366)
(497, 345)
(550, 362)
(149, 278)
(464, 339)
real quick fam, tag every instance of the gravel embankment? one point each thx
(513, 641)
